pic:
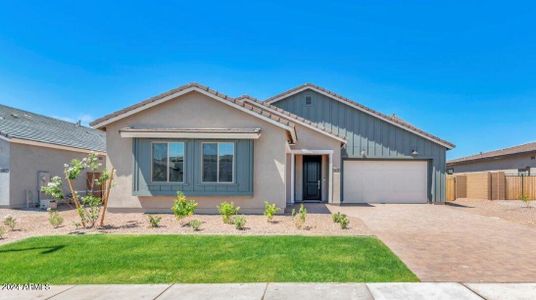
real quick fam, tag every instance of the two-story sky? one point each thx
(462, 70)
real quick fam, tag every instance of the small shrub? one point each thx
(10, 222)
(227, 210)
(344, 222)
(90, 210)
(154, 221)
(2, 232)
(525, 199)
(195, 224)
(54, 218)
(270, 209)
(300, 217)
(336, 217)
(239, 222)
(183, 207)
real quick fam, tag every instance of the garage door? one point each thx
(385, 181)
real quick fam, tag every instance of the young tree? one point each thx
(92, 205)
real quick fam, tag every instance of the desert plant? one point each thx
(344, 221)
(54, 188)
(2, 232)
(227, 210)
(336, 217)
(270, 209)
(90, 209)
(90, 206)
(154, 221)
(239, 222)
(183, 207)
(525, 199)
(10, 222)
(195, 224)
(300, 217)
(54, 218)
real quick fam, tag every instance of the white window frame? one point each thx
(218, 163)
(167, 162)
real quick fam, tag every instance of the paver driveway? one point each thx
(441, 243)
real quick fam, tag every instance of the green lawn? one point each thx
(196, 258)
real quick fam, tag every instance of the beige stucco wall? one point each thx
(27, 161)
(4, 173)
(199, 111)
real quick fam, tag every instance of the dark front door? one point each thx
(311, 177)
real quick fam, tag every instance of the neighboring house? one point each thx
(514, 160)
(34, 148)
(306, 144)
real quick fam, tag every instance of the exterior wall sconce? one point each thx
(414, 152)
(363, 153)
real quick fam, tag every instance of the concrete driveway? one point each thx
(442, 243)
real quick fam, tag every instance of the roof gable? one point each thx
(295, 118)
(257, 112)
(389, 119)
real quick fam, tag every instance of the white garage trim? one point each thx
(385, 181)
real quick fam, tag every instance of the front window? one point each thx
(218, 162)
(168, 162)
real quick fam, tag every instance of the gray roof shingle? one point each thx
(519, 149)
(17, 123)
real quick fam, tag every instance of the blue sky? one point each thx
(465, 71)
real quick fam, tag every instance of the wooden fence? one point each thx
(490, 186)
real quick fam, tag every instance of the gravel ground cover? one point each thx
(35, 223)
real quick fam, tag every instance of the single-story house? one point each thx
(306, 144)
(34, 148)
(516, 160)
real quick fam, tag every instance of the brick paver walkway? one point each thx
(441, 243)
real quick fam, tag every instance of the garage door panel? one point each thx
(385, 182)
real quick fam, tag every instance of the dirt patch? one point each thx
(35, 223)
(510, 210)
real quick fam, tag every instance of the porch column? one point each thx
(292, 166)
(330, 174)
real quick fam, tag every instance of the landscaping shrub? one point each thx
(90, 209)
(227, 210)
(239, 222)
(154, 221)
(89, 206)
(525, 199)
(54, 218)
(342, 219)
(195, 224)
(336, 217)
(300, 217)
(344, 222)
(2, 232)
(270, 209)
(10, 222)
(183, 207)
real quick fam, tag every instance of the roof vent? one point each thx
(78, 123)
(14, 115)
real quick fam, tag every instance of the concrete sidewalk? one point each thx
(256, 291)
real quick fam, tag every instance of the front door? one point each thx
(311, 177)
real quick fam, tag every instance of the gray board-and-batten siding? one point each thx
(377, 138)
